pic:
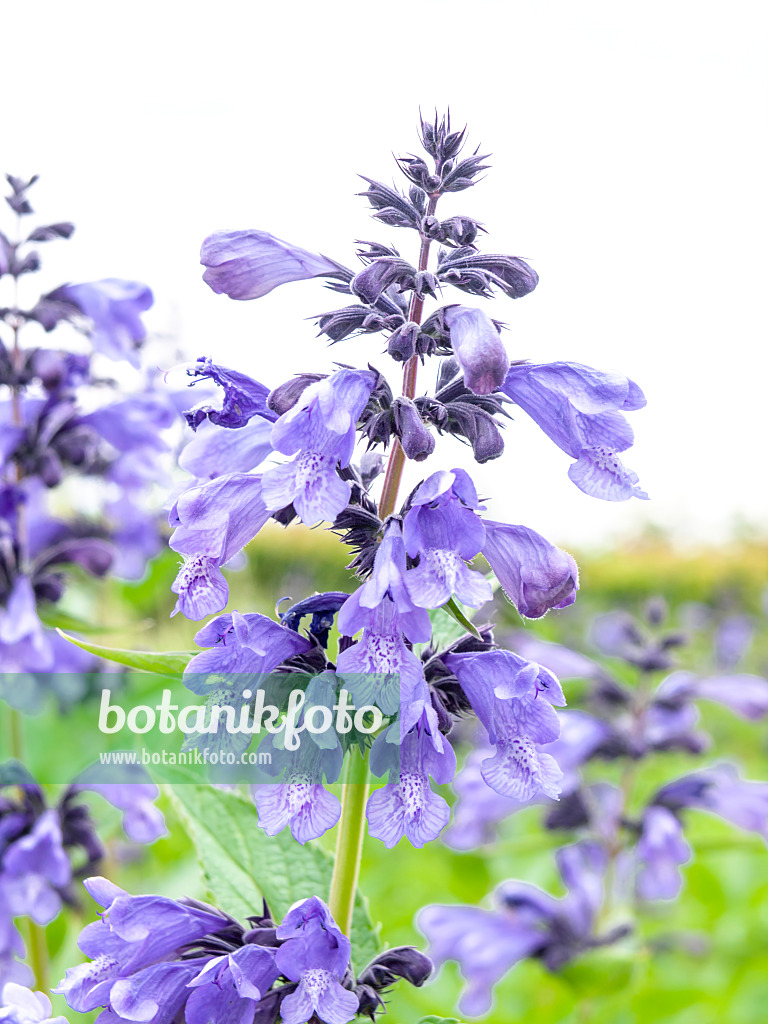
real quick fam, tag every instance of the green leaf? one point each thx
(242, 864)
(432, 1019)
(164, 663)
(449, 623)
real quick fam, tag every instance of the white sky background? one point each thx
(629, 167)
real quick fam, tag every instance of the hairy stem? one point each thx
(396, 461)
(349, 840)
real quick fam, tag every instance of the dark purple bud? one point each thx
(49, 311)
(431, 228)
(655, 611)
(391, 207)
(467, 269)
(462, 175)
(485, 438)
(417, 440)
(405, 962)
(380, 274)
(284, 397)
(401, 344)
(28, 265)
(341, 323)
(460, 230)
(51, 231)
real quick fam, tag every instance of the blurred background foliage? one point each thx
(700, 960)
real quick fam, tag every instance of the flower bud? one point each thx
(478, 347)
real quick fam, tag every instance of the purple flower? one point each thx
(34, 869)
(444, 531)
(661, 849)
(306, 806)
(315, 954)
(143, 822)
(320, 430)
(409, 807)
(248, 264)
(528, 922)
(114, 307)
(19, 1005)
(720, 790)
(244, 397)
(746, 695)
(733, 637)
(534, 574)
(503, 690)
(228, 988)
(580, 409)
(215, 451)
(240, 645)
(380, 668)
(213, 522)
(479, 808)
(478, 347)
(23, 643)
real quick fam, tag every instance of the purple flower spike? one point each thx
(581, 410)
(444, 531)
(478, 347)
(114, 307)
(534, 574)
(661, 850)
(18, 1005)
(249, 264)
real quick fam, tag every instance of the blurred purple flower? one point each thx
(528, 923)
(660, 850)
(19, 1005)
(114, 307)
(721, 791)
(249, 264)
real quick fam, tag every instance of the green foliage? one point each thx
(164, 663)
(242, 864)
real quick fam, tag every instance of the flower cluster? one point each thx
(48, 433)
(636, 840)
(410, 558)
(161, 960)
(44, 847)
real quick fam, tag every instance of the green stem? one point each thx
(16, 734)
(37, 956)
(351, 829)
(349, 840)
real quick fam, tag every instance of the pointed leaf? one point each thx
(164, 663)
